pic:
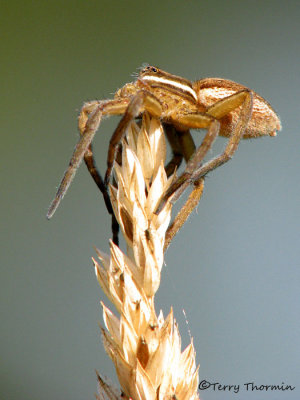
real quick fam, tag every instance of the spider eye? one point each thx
(148, 69)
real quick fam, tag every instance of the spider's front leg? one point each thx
(140, 102)
(93, 170)
(88, 155)
(90, 120)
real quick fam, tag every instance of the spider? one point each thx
(221, 106)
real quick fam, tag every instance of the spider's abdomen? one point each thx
(264, 120)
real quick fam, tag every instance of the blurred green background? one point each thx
(239, 253)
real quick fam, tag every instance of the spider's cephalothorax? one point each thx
(221, 106)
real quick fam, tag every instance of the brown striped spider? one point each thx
(221, 106)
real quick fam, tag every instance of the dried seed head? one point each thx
(145, 348)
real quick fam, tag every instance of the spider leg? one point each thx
(194, 170)
(244, 99)
(183, 181)
(186, 144)
(182, 145)
(94, 113)
(88, 155)
(198, 184)
(140, 102)
(177, 155)
(185, 211)
(94, 172)
(186, 147)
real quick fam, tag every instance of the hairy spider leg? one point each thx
(244, 99)
(97, 110)
(199, 121)
(194, 171)
(177, 155)
(93, 170)
(182, 145)
(185, 211)
(197, 191)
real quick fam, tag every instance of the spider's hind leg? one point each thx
(194, 169)
(244, 98)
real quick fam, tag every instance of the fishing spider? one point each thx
(221, 106)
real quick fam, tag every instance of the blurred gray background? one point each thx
(234, 267)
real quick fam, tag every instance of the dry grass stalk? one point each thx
(145, 348)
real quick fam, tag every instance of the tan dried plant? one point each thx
(144, 347)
